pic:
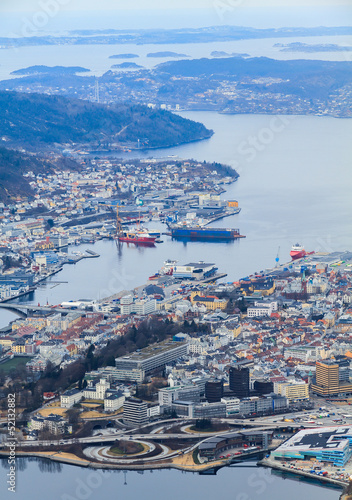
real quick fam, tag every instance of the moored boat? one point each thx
(298, 251)
(204, 233)
(136, 238)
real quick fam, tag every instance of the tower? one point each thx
(96, 93)
(239, 381)
(327, 374)
(214, 390)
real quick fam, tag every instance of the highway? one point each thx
(307, 419)
(111, 437)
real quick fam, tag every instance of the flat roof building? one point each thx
(149, 359)
(328, 380)
(135, 412)
(327, 444)
(195, 270)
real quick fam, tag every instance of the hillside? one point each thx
(50, 70)
(37, 121)
(307, 78)
(13, 164)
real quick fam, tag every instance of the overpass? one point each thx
(130, 434)
(24, 310)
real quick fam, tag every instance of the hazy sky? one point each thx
(17, 17)
(66, 5)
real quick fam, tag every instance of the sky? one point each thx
(51, 16)
(71, 5)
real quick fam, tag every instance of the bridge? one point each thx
(24, 310)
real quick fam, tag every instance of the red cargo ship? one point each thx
(297, 252)
(136, 238)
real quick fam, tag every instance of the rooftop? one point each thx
(318, 439)
(152, 350)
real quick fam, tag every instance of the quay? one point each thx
(273, 464)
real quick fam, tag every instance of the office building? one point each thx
(199, 410)
(214, 390)
(328, 380)
(326, 444)
(135, 412)
(168, 395)
(151, 359)
(239, 380)
(293, 391)
(232, 405)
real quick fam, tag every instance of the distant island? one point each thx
(169, 36)
(124, 56)
(40, 122)
(127, 65)
(221, 53)
(226, 84)
(52, 70)
(166, 53)
(305, 47)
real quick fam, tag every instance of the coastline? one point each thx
(266, 462)
(71, 459)
(74, 460)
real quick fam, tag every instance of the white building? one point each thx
(114, 401)
(129, 305)
(97, 392)
(261, 309)
(153, 411)
(232, 405)
(292, 390)
(304, 353)
(70, 398)
(197, 347)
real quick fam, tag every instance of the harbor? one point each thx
(128, 267)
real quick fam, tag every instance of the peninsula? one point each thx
(39, 122)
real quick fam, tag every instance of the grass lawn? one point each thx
(45, 412)
(193, 428)
(195, 456)
(93, 401)
(131, 448)
(14, 363)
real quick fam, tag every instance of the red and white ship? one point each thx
(166, 270)
(136, 238)
(297, 252)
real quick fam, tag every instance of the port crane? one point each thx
(277, 260)
(118, 220)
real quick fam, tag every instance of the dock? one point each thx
(273, 464)
(215, 277)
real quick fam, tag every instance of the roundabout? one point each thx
(150, 452)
